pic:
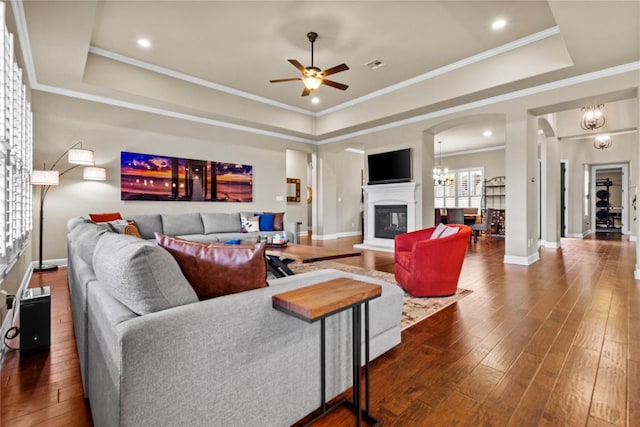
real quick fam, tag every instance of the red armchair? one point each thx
(427, 267)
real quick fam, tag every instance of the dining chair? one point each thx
(455, 216)
(485, 226)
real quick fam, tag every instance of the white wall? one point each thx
(297, 168)
(492, 161)
(60, 121)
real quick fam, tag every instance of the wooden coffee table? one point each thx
(277, 255)
(319, 301)
(306, 253)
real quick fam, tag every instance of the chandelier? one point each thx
(602, 141)
(441, 175)
(592, 118)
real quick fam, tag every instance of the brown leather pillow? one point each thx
(278, 220)
(215, 270)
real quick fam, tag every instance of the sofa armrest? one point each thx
(292, 229)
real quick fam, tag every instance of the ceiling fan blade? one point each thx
(286, 80)
(334, 84)
(306, 91)
(298, 65)
(336, 69)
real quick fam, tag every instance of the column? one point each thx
(634, 168)
(427, 161)
(521, 159)
(550, 197)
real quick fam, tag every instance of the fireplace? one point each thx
(389, 209)
(389, 220)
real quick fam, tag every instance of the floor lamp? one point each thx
(46, 178)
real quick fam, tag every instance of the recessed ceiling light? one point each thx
(315, 100)
(142, 42)
(498, 24)
(487, 133)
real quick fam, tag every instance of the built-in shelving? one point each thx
(494, 196)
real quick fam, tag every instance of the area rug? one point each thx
(414, 309)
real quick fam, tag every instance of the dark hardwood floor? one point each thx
(553, 344)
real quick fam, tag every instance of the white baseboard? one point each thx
(520, 260)
(371, 247)
(335, 236)
(636, 273)
(14, 312)
(550, 245)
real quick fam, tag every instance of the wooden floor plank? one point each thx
(555, 343)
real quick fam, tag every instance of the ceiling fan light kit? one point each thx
(313, 77)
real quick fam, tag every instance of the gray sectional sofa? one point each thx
(202, 226)
(152, 354)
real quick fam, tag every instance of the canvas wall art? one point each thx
(151, 177)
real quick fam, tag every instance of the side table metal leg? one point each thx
(323, 404)
(366, 355)
(357, 358)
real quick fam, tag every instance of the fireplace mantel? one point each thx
(386, 194)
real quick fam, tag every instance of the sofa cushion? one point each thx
(250, 224)
(139, 274)
(131, 230)
(266, 222)
(218, 269)
(221, 222)
(438, 231)
(147, 224)
(105, 217)
(278, 220)
(449, 231)
(85, 237)
(186, 223)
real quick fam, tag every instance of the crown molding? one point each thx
(195, 80)
(608, 72)
(25, 46)
(447, 68)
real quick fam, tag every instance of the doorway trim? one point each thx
(625, 194)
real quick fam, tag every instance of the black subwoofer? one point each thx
(35, 320)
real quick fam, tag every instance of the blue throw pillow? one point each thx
(266, 222)
(232, 242)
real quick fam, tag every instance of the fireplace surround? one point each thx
(387, 197)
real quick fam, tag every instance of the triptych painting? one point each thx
(150, 177)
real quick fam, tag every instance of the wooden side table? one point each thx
(319, 301)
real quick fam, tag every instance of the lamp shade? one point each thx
(40, 177)
(80, 156)
(92, 173)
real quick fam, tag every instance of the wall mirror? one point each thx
(293, 189)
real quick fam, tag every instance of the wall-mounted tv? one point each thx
(390, 167)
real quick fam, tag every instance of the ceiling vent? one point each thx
(374, 64)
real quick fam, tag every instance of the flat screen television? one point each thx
(390, 167)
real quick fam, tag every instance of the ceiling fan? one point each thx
(312, 77)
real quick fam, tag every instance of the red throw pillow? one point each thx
(215, 270)
(105, 217)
